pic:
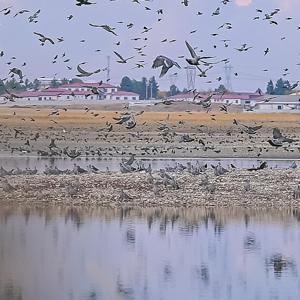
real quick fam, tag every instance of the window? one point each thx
(92, 97)
(247, 102)
(49, 98)
(40, 98)
(133, 98)
(227, 101)
(117, 98)
(28, 98)
(125, 98)
(279, 107)
(45, 98)
(236, 101)
(68, 97)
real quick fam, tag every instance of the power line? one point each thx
(190, 77)
(228, 73)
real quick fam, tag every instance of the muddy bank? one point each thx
(95, 134)
(268, 189)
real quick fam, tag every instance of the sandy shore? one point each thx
(268, 189)
(158, 133)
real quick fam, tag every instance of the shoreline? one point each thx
(269, 188)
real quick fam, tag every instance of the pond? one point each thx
(70, 253)
(113, 163)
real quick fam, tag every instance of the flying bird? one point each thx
(105, 27)
(43, 39)
(84, 73)
(84, 2)
(122, 60)
(164, 62)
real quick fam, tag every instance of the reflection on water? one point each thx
(113, 163)
(149, 254)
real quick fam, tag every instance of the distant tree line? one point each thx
(282, 87)
(145, 88)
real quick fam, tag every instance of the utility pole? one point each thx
(146, 83)
(108, 69)
(151, 90)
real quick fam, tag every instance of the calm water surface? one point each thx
(148, 254)
(113, 163)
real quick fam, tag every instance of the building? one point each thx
(75, 92)
(46, 82)
(227, 98)
(275, 103)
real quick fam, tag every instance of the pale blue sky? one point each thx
(17, 38)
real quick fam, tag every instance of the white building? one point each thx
(277, 103)
(46, 82)
(74, 92)
(234, 98)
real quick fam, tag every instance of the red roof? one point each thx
(90, 84)
(49, 93)
(219, 97)
(124, 93)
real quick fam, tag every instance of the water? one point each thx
(149, 254)
(113, 163)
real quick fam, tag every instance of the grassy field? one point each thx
(80, 118)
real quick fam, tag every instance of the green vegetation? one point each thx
(282, 87)
(145, 88)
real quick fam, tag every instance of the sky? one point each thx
(251, 69)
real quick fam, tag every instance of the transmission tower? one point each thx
(228, 73)
(173, 78)
(190, 77)
(108, 69)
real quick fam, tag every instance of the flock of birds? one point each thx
(204, 63)
(196, 57)
(164, 178)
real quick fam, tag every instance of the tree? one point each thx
(36, 84)
(143, 89)
(173, 90)
(54, 83)
(282, 87)
(221, 89)
(76, 80)
(64, 81)
(154, 87)
(126, 84)
(270, 88)
(14, 85)
(2, 87)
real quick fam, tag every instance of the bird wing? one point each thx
(95, 25)
(119, 55)
(80, 70)
(158, 62)
(39, 34)
(50, 40)
(164, 70)
(176, 64)
(192, 51)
